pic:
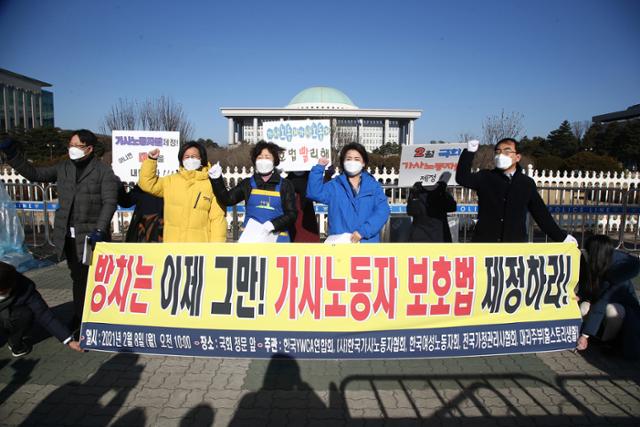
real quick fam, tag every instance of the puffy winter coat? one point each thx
(191, 211)
(366, 212)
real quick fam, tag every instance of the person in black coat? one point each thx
(265, 156)
(505, 195)
(147, 220)
(87, 195)
(20, 304)
(608, 300)
(428, 207)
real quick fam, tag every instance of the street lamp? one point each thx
(50, 145)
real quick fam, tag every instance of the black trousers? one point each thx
(79, 273)
(16, 325)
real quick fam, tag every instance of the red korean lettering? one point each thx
(122, 284)
(104, 269)
(304, 152)
(289, 284)
(102, 275)
(361, 286)
(335, 286)
(312, 287)
(387, 286)
(465, 286)
(143, 281)
(441, 286)
(418, 285)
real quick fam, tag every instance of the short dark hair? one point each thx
(86, 137)
(354, 146)
(203, 152)
(511, 140)
(8, 276)
(274, 149)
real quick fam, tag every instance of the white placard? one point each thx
(254, 232)
(130, 148)
(427, 162)
(304, 142)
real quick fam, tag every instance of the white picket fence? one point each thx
(606, 182)
(617, 180)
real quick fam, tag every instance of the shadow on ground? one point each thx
(444, 400)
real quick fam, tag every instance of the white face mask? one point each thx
(191, 164)
(353, 167)
(264, 166)
(4, 297)
(76, 153)
(502, 161)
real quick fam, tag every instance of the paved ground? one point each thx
(55, 386)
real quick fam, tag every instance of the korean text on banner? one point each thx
(130, 148)
(304, 142)
(427, 162)
(332, 301)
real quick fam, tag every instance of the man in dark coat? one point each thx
(87, 195)
(20, 303)
(505, 195)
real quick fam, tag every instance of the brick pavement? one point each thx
(55, 386)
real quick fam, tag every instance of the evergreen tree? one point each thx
(562, 142)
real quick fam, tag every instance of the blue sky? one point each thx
(458, 61)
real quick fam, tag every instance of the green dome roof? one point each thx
(321, 97)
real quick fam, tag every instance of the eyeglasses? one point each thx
(505, 151)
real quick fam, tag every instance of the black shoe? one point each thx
(20, 350)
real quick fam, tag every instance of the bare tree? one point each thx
(495, 128)
(579, 128)
(153, 114)
(466, 136)
(123, 116)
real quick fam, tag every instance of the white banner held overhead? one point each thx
(130, 148)
(304, 142)
(427, 162)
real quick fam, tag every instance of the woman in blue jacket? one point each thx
(357, 204)
(608, 300)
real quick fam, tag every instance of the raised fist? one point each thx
(472, 145)
(216, 171)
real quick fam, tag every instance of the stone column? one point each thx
(385, 132)
(411, 132)
(255, 130)
(230, 134)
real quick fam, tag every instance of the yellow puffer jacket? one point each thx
(191, 212)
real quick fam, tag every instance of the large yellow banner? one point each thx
(332, 301)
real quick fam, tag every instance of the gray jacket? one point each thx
(93, 197)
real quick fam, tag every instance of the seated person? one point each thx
(20, 303)
(608, 301)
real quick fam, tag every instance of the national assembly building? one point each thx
(370, 127)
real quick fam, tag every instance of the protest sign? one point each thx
(304, 142)
(130, 148)
(427, 162)
(332, 301)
